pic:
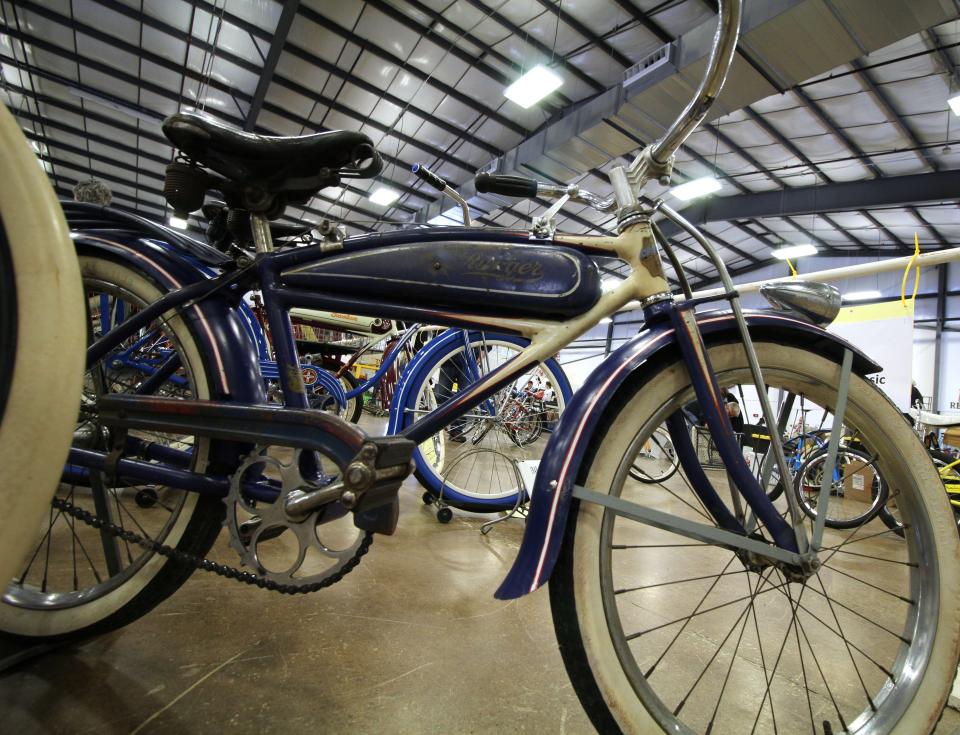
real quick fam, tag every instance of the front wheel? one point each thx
(660, 632)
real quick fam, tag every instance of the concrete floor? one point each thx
(411, 641)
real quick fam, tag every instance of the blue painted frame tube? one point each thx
(284, 345)
(147, 472)
(384, 365)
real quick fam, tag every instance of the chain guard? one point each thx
(254, 525)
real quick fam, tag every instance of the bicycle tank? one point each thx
(470, 270)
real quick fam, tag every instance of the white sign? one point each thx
(528, 471)
(885, 333)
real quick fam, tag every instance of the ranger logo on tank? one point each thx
(516, 271)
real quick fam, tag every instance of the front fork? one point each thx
(711, 402)
(790, 537)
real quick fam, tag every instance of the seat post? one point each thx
(260, 228)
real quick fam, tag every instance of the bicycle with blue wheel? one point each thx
(696, 604)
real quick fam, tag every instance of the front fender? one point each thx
(553, 488)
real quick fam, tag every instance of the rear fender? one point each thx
(553, 488)
(221, 337)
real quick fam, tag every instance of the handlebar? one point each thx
(508, 186)
(721, 57)
(425, 174)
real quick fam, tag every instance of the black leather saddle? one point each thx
(274, 168)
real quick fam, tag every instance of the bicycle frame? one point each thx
(671, 325)
(636, 246)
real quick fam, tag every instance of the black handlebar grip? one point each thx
(425, 174)
(508, 186)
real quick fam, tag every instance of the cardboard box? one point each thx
(952, 437)
(858, 481)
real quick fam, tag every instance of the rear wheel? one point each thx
(76, 580)
(662, 632)
(857, 490)
(473, 458)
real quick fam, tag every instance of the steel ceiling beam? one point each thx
(645, 20)
(940, 56)
(287, 16)
(562, 15)
(173, 97)
(788, 144)
(749, 158)
(347, 35)
(255, 32)
(455, 50)
(893, 115)
(517, 31)
(220, 86)
(837, 197)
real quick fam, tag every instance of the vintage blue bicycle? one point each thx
(469, 465)
(696, 604)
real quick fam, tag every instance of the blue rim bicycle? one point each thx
(766, 594)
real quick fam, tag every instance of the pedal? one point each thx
(368, 488)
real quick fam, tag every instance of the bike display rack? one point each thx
(444, 514)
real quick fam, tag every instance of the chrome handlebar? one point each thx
(656, 159)
(721, 57)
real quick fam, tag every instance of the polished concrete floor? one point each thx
(411, 641)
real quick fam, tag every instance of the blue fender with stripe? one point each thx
(562, 459)
(221, 337)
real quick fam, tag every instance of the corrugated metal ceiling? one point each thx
(91, 79)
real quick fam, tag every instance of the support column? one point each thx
(938, 335)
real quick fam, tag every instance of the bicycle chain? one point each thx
(197, 562)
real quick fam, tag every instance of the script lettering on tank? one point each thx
(504, 269)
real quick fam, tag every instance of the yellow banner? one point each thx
(875, 312)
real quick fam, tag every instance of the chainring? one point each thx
(282, 550)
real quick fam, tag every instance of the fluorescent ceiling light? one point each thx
(696, 188)
(608, 284)
(177, 222)
(861, 295)
(384, 196)
(954, 103)
(794, 251)
(533, 86)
